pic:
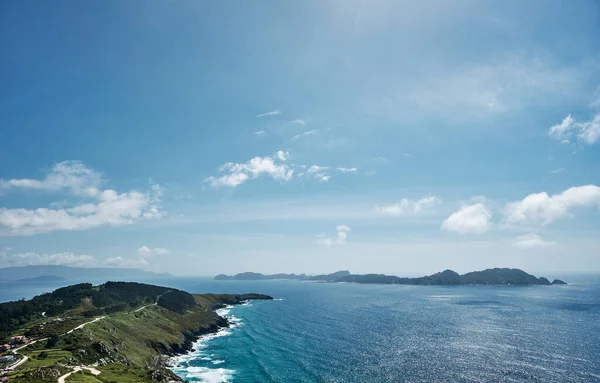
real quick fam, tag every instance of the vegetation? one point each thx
(46, 357)
(131, 340)
(83, 377)
(15, 314)
(81, 299)
(177, 301)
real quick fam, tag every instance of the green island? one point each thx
(113, 333)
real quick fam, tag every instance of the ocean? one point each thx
(321, 332)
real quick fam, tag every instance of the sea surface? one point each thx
(321, 332)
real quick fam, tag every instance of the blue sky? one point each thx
(381, 136)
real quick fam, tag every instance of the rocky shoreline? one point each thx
(190, 338)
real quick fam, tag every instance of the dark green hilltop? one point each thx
(497, 276)
(114, 332)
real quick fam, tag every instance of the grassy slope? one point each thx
(127, 345)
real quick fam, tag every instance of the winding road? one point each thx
(143, 307)
(76, 368)
(94, 371)
(84, 324)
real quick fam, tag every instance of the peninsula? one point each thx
(114, 332)
(496, 276)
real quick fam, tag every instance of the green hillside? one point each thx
(129, 330)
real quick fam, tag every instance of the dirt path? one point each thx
(94, 372)
(14, 350)
(11, 368)
(91, 369)
(84, 324)
(143, 307)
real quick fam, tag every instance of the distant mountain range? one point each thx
(249, 276)
(495, 276)
(52, 272)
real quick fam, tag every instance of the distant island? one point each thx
(496, 276)
(43, 278)
(19, 273)
(118, 331)
(249, 276)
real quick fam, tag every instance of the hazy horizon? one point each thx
(537, 273)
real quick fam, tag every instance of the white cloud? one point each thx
(260, 132)
(322, 177)
(126, 262)
(111, 209)
(587, 132)
(407, 155)
(26, 259)
(473, 219)
(283, 156)
(140, 260)
(104, 207)
(540, 207)
(257, 166)
(347, 170)
(72, 175)
(318, 172)
(556, 171)
(308, 133)
(561, 131)
(409, 207)
(145, 251)
(79, 260)
(339, 239)
(299, 122)
(529, 241)
(316, 169)
(272, 113)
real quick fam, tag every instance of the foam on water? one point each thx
(181, 364)
(208, 375)
(224, 311)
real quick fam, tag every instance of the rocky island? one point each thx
(115, 332)
(496, 276)
(250, 276)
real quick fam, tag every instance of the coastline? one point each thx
(192, 350)
(133, 343)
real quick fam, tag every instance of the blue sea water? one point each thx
(318, 332)
(382, 333)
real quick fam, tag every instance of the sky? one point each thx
(398, 137)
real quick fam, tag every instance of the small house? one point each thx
(17, 339)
